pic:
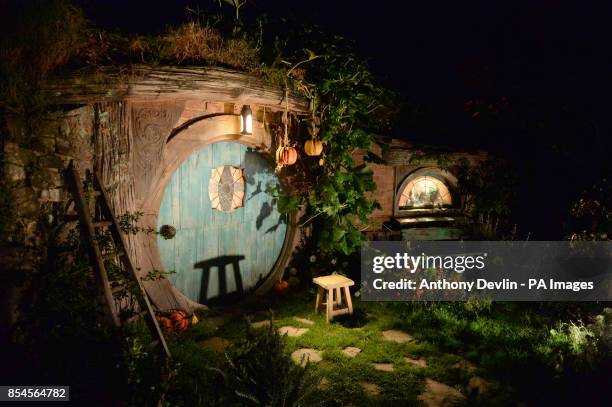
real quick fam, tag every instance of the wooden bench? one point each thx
(334, 283)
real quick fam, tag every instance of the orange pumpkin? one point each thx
(165, 323)
(286, 155)
(313, 147)
(177, 316)
(280, 287)
(181, 325)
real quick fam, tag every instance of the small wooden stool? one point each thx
(334, 283)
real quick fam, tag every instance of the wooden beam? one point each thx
(142, 82)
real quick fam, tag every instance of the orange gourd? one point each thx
(178, 315)
(165, 323)
(181, 325)
(286, 155)
(280, 287)
(313, 147)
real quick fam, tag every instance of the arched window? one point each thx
(425, 192)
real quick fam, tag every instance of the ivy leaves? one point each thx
(353, 107)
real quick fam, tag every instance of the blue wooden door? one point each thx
(216, 253)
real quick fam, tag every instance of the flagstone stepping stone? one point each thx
(398, 336)
(303, 320)
(477, 387)
(260, 324)
(384, 367)
(371, 389)
(438, 394)
(305, 355)
(418, 363)
(215, 343)
(292, 331)
(351, 351)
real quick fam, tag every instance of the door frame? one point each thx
(179, 148)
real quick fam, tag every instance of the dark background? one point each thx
(537, 73)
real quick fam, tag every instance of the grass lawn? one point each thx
(493, 354)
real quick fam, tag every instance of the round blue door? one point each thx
(229, 233)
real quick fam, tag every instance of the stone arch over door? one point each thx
(178, 149)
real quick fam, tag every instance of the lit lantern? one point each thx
(246, 120)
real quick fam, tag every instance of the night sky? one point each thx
(550, 60)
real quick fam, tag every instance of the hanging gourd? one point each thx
(285, 154)
(313, 147)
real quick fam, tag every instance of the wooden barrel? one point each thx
(226, 241)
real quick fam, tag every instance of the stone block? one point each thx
(15, 173)
(51, 195)
(51, 161)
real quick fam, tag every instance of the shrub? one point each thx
(261, 373)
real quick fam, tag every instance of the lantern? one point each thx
(246, 120)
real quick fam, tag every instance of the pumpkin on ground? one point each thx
(165, 323)
(286, 155)
(181, 325)
(313, 147)
(178, 315)
(180, 321)
(280, 287)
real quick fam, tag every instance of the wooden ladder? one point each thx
(88, 228)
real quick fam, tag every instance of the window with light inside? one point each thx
(425, 192)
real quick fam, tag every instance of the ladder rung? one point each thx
(115, 290)
(102, 223)
(112, 255)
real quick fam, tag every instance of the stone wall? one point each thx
(35, 184)
(388, 177)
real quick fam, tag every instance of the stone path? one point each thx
(398, 336)
(305, 355)
(351, 351)
(465, 365)
(215, 343)
(303, 320)
(418, 363)
(438, 394)
(292, 331)
(384, 367)
(477, 387)
(260, 324)
(370, 388)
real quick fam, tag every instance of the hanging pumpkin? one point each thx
(280, 287)
(286, 155)
(313, 147)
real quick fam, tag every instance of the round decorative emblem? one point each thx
(226, 188)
